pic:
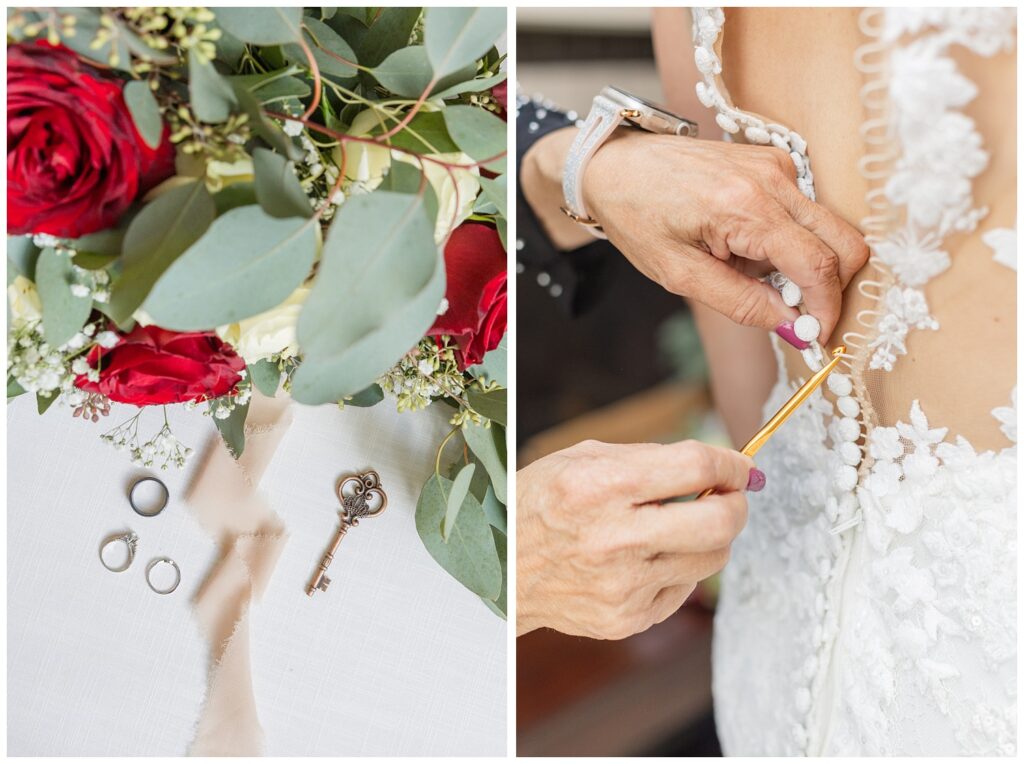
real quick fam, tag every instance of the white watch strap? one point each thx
(605, 115)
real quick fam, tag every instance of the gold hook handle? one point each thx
(761, 436)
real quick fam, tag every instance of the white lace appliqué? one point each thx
(940, 152)
(1002, 241)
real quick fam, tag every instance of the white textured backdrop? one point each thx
(396, 658)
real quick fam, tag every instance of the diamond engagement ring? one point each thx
(177, 574)
(130, 540)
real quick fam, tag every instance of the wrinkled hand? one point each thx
(599, 555)
(705, 218)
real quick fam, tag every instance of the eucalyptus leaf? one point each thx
(371, 396)
(493, 405)
(237, 194)
(230, 49)
(459, 490)
(406, 72)
(266, 129)
(426, 133)
(109, 241)
(245, 264)
(158, 235)
(502, 225)
(495, 364)
(277, 188)
(63, 313)
(262, 26)
(278, 85)
(499, 605)
(13, 388)
(496, 189)
(488, 445)
(477, 85)
(380, 282)
(232, 429)
(145, 111)
(92, 261)
(497, 513)
(327, 47)
(469, 555)
(43, 402)
(265, 376)
(374, 39)
(457, 37)
(478, 133)
(406, 178)
(212, 96)
(22, 256)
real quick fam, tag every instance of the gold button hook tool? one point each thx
(761, 437)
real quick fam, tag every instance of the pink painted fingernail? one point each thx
(756, 480)
(786, 331)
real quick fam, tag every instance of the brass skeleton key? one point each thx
(360, 497)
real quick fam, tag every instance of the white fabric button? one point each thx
(846, 477)
(840, 384)
(757, 135)
(791, 294)
(848, 429)
(848, 406)
(850, 453)
(812, 359)
(807, 327)
(727, 123)
(543, 278)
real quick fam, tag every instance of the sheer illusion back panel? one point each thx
(801, 69)
(869, 605)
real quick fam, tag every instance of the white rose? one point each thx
(270, 333)
(23, 301)
(456, 191)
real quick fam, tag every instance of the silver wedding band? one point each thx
(177, 572)
(129, 539)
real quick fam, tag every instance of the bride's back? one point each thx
(808, 68)
(869, 606)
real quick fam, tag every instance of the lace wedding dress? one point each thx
(870, 604)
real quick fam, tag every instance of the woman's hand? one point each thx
(704, 219)
(599, 555)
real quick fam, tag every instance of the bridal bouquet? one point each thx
(206, 202)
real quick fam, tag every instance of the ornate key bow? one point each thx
(361, 496)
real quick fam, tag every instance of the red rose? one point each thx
(151, 366)
(477, 292)
(75, 161)
(500, 94)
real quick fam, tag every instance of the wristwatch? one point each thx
(612, 107)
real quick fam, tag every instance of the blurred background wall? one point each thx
(628, 370)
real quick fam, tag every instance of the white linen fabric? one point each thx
(870, 605)
(397, 658)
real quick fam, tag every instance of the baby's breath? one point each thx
(162, 450)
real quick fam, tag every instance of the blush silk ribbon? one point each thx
(226, 503)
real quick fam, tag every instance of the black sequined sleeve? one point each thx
(575, 278)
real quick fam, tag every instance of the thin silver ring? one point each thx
(177, 570)
(129, 539)
(159, 509)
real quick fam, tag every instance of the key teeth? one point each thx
(324, 583)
